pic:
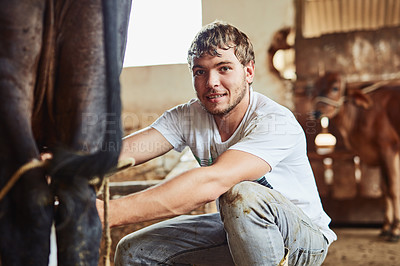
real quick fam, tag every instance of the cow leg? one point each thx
(394, 192)
(80, 112)
(78, 228)
(392, 166)
(25, 226)
(80, 117)
(388, 203)
(26, 210)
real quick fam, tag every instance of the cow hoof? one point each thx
(385, 234)
(394, 238)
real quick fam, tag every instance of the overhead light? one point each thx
(325, 142)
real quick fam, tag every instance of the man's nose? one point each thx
(212, 79)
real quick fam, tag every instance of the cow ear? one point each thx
(361, 99)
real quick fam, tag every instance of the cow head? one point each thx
(328, 96)
(330, 93)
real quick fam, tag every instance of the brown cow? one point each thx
(368, 119)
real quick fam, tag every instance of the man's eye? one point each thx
(198, 72)
(225, 68)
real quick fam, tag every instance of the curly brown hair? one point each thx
(222, 35)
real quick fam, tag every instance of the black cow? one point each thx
(59, 92)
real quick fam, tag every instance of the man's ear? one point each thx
(361, 99)
(250, 69)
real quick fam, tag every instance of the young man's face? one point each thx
(221, 82)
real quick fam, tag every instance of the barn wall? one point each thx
(360, 56)
(360, 41)
(148, 91)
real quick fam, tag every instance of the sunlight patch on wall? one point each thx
(160, 31)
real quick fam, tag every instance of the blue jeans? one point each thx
(255, 226)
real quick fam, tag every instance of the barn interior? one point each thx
(295, 42)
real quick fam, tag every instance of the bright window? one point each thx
(160, 31)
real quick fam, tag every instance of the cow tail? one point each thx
(68, 163)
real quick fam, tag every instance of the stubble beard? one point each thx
(227, 110)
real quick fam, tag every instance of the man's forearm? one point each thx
(171, 198)
(144, 145)
(188, 190)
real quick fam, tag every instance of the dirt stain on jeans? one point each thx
(231, 198)
(246, 211)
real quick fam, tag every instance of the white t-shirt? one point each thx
(269, 131)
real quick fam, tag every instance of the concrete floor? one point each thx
(361, 246)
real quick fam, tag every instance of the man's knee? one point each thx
(132, 250)
(248, 201)
(124, 252)
(240, 199)
(245, 194)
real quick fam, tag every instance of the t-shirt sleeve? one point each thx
(171, 124)
(271, 138)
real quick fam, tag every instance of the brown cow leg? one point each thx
(388, 214)
(388, 218)
(395, 236)
(394, 191)
(392, 165)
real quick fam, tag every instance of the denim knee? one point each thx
(245, 199)
(123, 252)
(132, 251)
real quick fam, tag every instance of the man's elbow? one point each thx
(217, 186)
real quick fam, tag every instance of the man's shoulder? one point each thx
(263, 105)
(191, 104)
(267, 111)
(191, 111)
